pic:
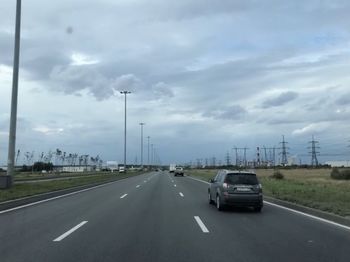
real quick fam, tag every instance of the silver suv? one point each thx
(179, 171)
(235, 188)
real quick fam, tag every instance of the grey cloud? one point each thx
(162, 90)
(227, 113)
(280, 100)
(127, 82)
(40, 65)
(344, 100)
(73, 79)
(6, 47)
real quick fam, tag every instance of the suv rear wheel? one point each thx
(257, 209)
(209, 198)
(218, 203)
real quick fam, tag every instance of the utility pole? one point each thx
(314, 147)
(6, 182)
(148, 137)
(125, 93)
(141, 125)
(284, 152)
(151, 154)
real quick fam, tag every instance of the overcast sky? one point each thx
(205, 76)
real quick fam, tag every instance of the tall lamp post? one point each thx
(125, 93)
(148, 137)
(13, 118)
(141, 125)
(152, 155)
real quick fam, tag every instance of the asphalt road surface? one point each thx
(159, 217)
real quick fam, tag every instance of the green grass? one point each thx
(309, 187)
(29, 189)
(38, 175)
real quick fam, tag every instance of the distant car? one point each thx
(179, 171)
(235, 188)
(121, 169)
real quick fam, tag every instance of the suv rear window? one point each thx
(241, 179)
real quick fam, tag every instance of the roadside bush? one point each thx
(277, 175)
(340, 174)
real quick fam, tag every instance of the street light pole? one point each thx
(125, 93)
(151, 154)
(148, 137)
(14, 98)
(142, 124)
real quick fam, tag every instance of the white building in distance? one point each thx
(339, 163)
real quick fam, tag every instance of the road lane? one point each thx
(155, 223)
(151, 225)
(273, 235)
(31, 228)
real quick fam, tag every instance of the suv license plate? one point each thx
(243, 189)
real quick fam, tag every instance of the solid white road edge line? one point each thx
(70, 231)
(308, 215)
(181, 194)
(201, 224)
(57, 197)
(123, 195)
(293, 210)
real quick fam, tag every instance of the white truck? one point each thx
(172, 168)
(112, 166)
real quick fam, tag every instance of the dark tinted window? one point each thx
(242, 179)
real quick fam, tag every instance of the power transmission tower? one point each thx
(284, 152)
(314, 147)
(214, 161)
(245, 156)
(227, 159)
(258, 162)
(266, 160)
(199, 162)
(237, 151)
(17, 155)
(270, 156)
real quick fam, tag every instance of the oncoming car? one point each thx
(235, 188)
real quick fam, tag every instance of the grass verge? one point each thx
(29, 189)
(309, 187)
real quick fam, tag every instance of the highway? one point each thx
(159, 217)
